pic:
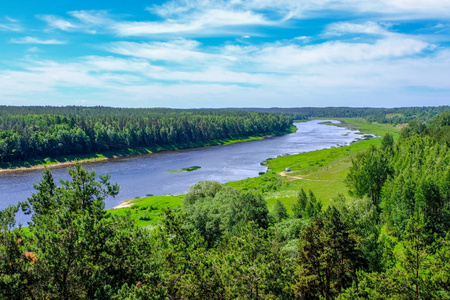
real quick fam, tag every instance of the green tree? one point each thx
(298, 209)
(253, 266)
(280, 211)
(74, 250)
(387, 142)
(313, 207)
(189, 269)
(329, 257)
(248, 207)
(368, 173)
(420, 269)
(17, 259)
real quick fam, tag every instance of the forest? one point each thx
(390, 240)
(394, 115)
(40, 132)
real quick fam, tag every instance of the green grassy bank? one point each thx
(146, 211)
(322, 171)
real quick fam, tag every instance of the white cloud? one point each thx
(368, 82)
(178, 51)
(212, 21)
(12, 20)
(33, 40)
(205, 22)
(182, 18)
(336, 29)
(10, 25)
(415, 9)
(58, 23)
(386, 65)
(180, 8)
(115, 64)
(33, 49)
(342, 71)
(290, 58)
(95, 17)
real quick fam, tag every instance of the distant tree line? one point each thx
(380, 115)
(437, 128)
(31, 132)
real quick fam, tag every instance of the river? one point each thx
(148, 174)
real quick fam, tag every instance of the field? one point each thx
(322, 171)
(146, 211)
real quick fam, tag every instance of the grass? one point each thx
(322, 171)
(365, 126)
(146, 211)
(189, 169)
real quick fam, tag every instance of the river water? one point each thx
(148, 174)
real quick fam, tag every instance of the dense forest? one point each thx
(381, 115)
(390, 241)
(33, 132)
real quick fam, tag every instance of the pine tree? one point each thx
(280, 211)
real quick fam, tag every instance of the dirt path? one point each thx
(124, 204)
(298, 177)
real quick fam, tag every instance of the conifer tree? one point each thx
(280, 211)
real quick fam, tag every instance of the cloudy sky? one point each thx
(236, 53)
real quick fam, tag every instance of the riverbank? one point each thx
(146, 211)
(322, 171)
(71, 160)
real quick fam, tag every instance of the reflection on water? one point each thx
(143, 175)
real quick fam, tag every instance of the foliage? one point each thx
(437, 128)
(394, 115)
(420, 182)
(387, 142)
(253, 266)
(216, 210)
(280, 211)
(299, 207)
(188, 169)
(329, 257)
(31, 132)
(306, 206)
(73, 249)
(368, 174)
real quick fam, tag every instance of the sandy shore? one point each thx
(126, 203)
(51, 166)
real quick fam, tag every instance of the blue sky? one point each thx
(204, 53)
